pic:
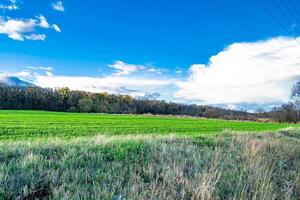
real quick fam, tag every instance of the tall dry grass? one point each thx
(231, 166)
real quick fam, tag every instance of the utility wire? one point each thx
(291, 9)
(278, 21)
(286, 15)
(274, 17)
(245, 11)
(237, 20)
(255, 21)
(218, 5)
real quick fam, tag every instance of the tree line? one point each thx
(66, 100)
(289, 112)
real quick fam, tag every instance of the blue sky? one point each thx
(151, 43)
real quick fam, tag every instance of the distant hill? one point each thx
(14, 81)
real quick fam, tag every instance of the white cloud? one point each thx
(155, 70)
(43, 22)
(58, 6)
(178, 72)
(30, 73)
(36, 70)
(11, 6)
(257, 72)
(48, 73)
(260, 72)
(112, 84)
(135, 86)
(40, 68)
(15, 28)
(8, 7)
(21, 29)
(56, 28)
(125, 69)
(25, 74)
(34, 36)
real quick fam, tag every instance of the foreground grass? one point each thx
(230, 166)
(24, 125)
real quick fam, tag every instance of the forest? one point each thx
(66, 100)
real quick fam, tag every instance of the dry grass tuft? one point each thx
(230, 166)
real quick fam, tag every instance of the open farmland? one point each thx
(48, 155)
(38, 124)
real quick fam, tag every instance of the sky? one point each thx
(219, 52)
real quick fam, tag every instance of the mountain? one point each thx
(14, 81)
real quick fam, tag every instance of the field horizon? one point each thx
(22, 124)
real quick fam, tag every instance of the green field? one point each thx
(51, 155)
(38, 124)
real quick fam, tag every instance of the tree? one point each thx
(86, 105)
(211, 113)
(64, 99)
(295, 96)
(289, 114)
(64, 94)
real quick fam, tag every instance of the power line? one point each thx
(245, 11)
(258, 22)
(278, 21)
(274, 16)
(291, 9)
(285, 15)
(253, 18)
(228, 13)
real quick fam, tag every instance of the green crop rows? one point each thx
(37, 124)
(144, 157)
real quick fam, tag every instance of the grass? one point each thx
(48, 155)
(244, 166)
(36, 124)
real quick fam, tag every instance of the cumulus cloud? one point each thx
(21, 29)
(123, 68)
(58, 6)
(255, 72)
